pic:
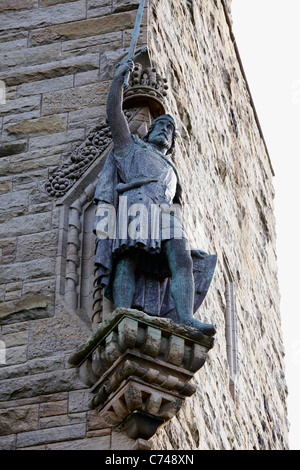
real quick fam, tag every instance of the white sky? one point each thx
(267, 33)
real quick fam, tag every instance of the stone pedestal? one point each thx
(139, 369)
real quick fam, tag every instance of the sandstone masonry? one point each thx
(57, 59)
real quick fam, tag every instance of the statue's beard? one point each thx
(160, 140)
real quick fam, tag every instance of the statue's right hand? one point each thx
(125, 67)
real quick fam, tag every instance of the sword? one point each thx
(134, 38)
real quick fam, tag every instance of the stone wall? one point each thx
(227, 179)
(57, 60)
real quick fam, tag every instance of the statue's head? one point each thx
(162, 132)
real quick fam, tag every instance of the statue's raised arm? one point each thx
(117, 121)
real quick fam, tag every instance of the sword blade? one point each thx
(134, 38)
(136, 29)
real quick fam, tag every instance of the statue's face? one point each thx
(162, 134)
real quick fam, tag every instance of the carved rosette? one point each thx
(139, 369)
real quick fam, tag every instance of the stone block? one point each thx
(5, 187)
(8, 442)
(64, 67)
(115, 38)
(56, 139)
(47, 436)
(39, 384)
(62, 420)
(13, 295)
(86, 78)
(22, 166)
(14, 44)
(51, 125)
(79, 401)
(13, 148)
(40, 17)
(125, 5)
(54, 408)
(18, 338)
(21, 419)
(15, 5)
(47, 3)
(28, 180)
(96, 443)
(45, 86)
(35, 246)
(21, 105)
(25, 309)
(29, 56)
(87, 96)
(35, 366)
(14, 200)
(19, 117)
(81, 29)
(14, 356)
(97, 10)
(37, 287)
(98, 112)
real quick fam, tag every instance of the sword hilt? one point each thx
(126, 79)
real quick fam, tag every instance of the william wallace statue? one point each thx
(143, 255)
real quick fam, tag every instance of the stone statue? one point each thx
(143, 255)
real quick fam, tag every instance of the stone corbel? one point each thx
(139, 369)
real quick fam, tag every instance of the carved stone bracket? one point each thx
(139, 369)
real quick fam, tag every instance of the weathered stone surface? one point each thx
(33, 56)
(26, 224)
(14, 168)
(17, 5)
(80, 29)
(46, 436)
(35, 366)
(34, 246)
(74, 99)
(15, 420)
(44, 86)
(62, 420)
(51, 125)
(50, 70)
(8, 442)
(96, 443)
(47, 3)
(27, 308)
(12, 148)
(14, 356)
(38, 384)
(55, 408)
(5, 187)
(125, 5)
(79, 401)
(21, 105)
(56, 14)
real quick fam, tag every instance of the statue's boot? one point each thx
(205, 328)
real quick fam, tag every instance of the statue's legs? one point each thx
(182, 285)
(124, 281)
